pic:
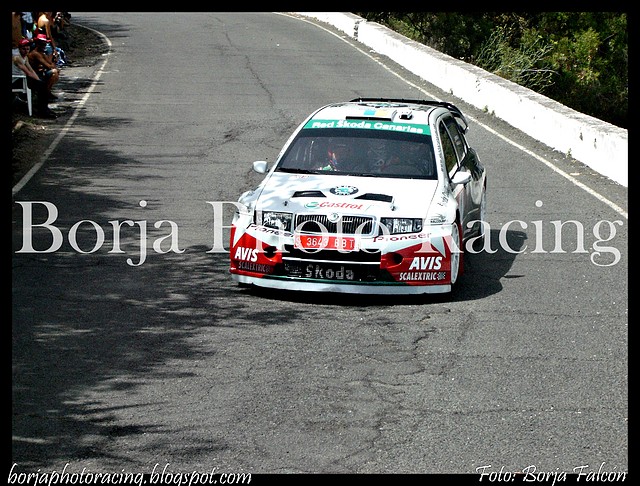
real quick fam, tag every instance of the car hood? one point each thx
(348, 194)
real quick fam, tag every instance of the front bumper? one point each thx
(417, 263)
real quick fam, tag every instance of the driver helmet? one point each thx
(338, 155)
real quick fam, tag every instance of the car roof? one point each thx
(394, 110)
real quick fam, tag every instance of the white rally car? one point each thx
(371, 196)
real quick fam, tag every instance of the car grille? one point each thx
(329, 264)
(347, 225)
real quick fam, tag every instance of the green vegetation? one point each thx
(579, 59)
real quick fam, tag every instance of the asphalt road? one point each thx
(163, 362)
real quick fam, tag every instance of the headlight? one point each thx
(401, 225)
(274, 219)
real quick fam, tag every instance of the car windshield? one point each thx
(368, 153)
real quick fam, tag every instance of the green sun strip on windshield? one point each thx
(370, 125)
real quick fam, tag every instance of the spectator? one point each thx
(60, 29)
(27, 25)
(46, 26)
(21, 66)
(43, 65)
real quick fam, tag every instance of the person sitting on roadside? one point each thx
(39, 87)
(43, 65)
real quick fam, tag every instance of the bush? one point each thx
(579, 59)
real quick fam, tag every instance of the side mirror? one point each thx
(460, 178)
(260, 166)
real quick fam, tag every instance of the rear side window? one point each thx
(456, 136)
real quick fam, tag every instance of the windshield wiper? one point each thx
(293, 170)
(368, 174)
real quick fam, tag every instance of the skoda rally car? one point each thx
(371, 196)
